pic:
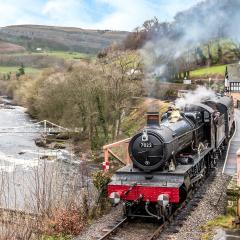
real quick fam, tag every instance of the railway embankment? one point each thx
(233, 197)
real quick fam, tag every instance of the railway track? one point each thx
(171, 219)
(110, 232)
(159, 230)
(175, 220)
(171, 224)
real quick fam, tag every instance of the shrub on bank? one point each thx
(56, 237)
(65, 222)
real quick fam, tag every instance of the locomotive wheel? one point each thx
(183, 193)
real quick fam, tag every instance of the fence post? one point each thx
(128, 160)
(45, 126)
(238, 168)
(106, 160)
(238, 181)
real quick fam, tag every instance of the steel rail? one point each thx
(159, 230)
(114, 229)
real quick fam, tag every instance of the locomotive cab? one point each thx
(225, 106)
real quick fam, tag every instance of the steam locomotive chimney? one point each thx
(153, 119)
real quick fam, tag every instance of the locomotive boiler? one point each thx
(172, 156)
(156, 145)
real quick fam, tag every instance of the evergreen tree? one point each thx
(210, 57)
(21, 71)
(200, 57)
(220, 53)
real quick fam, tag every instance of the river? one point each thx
(26, 178)
(224, 234)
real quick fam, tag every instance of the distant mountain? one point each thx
(32, 37)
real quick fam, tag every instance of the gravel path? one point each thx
(135, 230)
(95, 229)
(212, 205)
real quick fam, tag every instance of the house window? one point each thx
(235, 86)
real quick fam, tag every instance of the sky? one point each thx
(91, 14)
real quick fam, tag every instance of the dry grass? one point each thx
(221, 221)
(53, 202)
(136, 119)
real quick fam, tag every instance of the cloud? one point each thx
(54, 8)
(127, 14)
(4, 12)
(64, 12)
(20, 12)
(100, 14)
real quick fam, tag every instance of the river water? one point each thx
(223, 234)
(27, 181)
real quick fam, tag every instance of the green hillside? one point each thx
(208, 71)
(60, 38)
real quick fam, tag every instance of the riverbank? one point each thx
(32, 183)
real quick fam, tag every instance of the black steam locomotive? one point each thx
(172, 157)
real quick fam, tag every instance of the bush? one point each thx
(101, 179)
(57, 237)
(65, 222)
(171, 93)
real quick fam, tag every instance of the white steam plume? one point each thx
(174, 44)
(196, 96)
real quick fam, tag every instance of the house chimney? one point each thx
(153, 119)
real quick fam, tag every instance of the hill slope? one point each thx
(10, 48)
(60, 38)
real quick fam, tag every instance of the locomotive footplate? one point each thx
(130, 183)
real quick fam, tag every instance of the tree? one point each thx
(200, 58)
(21, 71)
(210, 57)
(219, 53)
(148, 31)
(120, 70)
(236, 50)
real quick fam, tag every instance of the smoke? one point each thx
(172, 49)
(196, 96)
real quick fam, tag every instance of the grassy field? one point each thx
(34, 62)
(67, 55)
(5, 70)
(207, 71)
(57, 54)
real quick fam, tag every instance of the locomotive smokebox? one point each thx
(153, 119)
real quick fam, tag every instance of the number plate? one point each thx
(146, 145)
